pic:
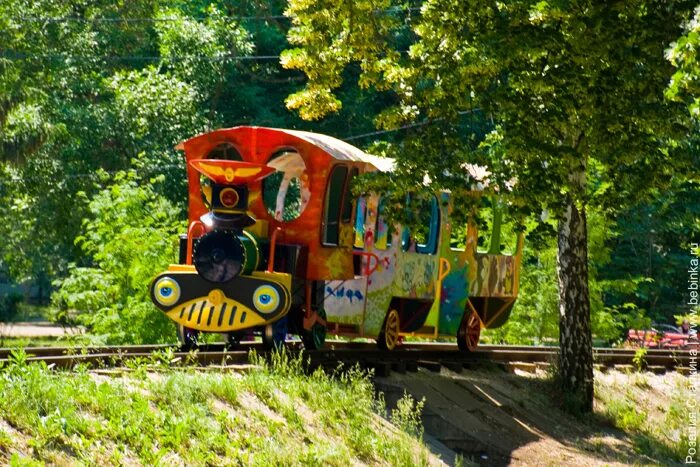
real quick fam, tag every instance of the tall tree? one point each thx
(575, 90)
(684, 54)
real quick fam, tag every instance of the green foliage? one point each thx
(144, 120)
(407, 415)
(329, 43)
(658, 425)
(685, 84)
(570, 86)
(640, 358)
(211, 40)
(692, 318)
(651, 246)
(535, 317)
(131, 235)
(9, 306)
(292, 199)
(627, 416)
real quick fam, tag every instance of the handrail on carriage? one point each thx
(190, 239)
(273, 243)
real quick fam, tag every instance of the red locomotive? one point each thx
(278, 244)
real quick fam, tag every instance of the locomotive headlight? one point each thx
(266, 299)
(166, 291)
(228, 197)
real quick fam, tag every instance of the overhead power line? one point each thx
(68, 19)
(224, 58)
(406, 127)
(78, 19)
(171, 166)
(142, 170)
(382, 132)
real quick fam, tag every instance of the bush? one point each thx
(9, 306)
(131, 235)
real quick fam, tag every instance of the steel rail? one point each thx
(364, 353)
(331, 344)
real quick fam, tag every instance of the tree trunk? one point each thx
(576, 357)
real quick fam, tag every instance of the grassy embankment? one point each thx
(273, 414)
(654, 409)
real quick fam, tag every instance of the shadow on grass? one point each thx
(486, 415)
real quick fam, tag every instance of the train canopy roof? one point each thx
(337, 149)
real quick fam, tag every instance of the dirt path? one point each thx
(37, 329)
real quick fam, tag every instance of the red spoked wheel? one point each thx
(469, 332)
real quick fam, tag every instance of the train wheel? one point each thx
(469, 332)
(315, 337)
(189, 338)
(389, 336)
(274, 334)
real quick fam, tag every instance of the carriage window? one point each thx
(334, 198)
(382, 235)
(347, 196)
(360, 217)
(285, 192)
(428, 229)
(458, 235)
(423, 235)
(407, 243)
(497, 231)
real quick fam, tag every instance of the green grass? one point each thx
(640, 405)
(273, 415)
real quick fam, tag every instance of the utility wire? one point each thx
(171, 166)
(67, 19)
(382, 132)
(405, 127)
(218, 58)
(146, 170)
(223, 58)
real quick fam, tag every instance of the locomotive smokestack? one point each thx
(229, 201)
(226, 251)
(229, 208)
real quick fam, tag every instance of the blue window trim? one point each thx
(430, 247)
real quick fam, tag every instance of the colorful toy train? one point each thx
(278, 244)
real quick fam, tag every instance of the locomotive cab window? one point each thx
(347, 196)
(286, 191)
(225, 151)
(333, 205)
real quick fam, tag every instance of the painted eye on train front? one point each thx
(166, 291)
(266, 299)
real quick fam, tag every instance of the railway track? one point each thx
(408, 357)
